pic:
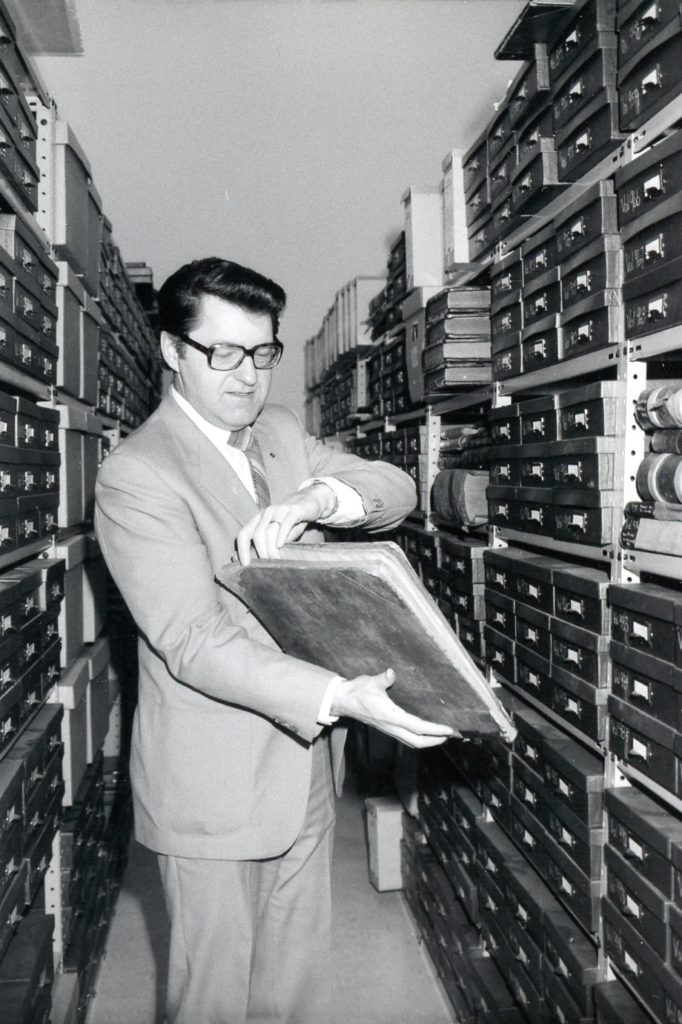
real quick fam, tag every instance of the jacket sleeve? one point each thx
(388, 494)
(154, 551)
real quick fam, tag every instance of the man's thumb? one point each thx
(389, 677)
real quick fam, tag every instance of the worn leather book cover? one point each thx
(359, 609)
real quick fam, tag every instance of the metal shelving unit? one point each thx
(652, 787)
(8, 196)
(465, 400)
(661, 343)
(589, 552)
(559, 373)
(669, 566)
(666, 119)
(25, 552)
(604, 169)
(387, 424)
(14, 378)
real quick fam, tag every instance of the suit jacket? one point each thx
(221, 745)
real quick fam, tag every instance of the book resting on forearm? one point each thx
(359, 609)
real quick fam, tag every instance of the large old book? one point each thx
(360, 608)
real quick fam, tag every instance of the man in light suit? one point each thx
(234, 743)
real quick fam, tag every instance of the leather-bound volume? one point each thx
(359, 609)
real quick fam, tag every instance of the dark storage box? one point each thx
(645, 834)
(644, 616)
(580, 842)
(541, 297)
(499, 653)
(596, 410)
(648, 683)
(639, 901)
(499, 612)
(589, 463)
(652, 242)
(581, 652)
(533, 630)
(542, 344)
(576, 33)
(650, 180)
(593, 323)
(539, 254)
(590, 216)
(505, 467)
(534, 511)
(574, 775)
(572, 956)
(589, 138)
(533, 675)
(535, 179)
(504, 425)
(538, 420)
(594, 70)
(573, 888)
(633, 958)
(651, 79)
(535, 466)
(644, 743)
(528, 834)
(580, 597)
(506, 278)
(596, 268)
(579, 703)
(653, 302)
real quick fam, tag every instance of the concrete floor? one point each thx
(383, 974)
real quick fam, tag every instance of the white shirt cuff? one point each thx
(324, 717)
(349, 510)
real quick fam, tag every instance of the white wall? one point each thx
(312, 116)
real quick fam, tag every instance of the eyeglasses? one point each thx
(229, 357)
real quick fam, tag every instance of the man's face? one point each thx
(230, 399)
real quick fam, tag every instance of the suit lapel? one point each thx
(219, 479)
(203, 460)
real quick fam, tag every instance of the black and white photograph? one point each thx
(340, 512)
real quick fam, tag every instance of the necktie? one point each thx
(245, 441)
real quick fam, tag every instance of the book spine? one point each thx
(661, 510)
(652, 535)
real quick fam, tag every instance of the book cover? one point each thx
(359, 609)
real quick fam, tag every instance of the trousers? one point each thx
(250, 941)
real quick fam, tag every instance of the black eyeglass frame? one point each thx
(208, 351)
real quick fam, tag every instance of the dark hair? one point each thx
(180, 295)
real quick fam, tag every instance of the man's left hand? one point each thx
(278, 524)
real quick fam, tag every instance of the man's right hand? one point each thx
(366, 699)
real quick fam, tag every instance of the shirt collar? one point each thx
(217, 435)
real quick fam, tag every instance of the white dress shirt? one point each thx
(349, 509)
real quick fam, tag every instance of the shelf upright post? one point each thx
(496, 401)
(113, 434)
(429, 463)
(54, 901)
(633, 373)
(46, 118)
